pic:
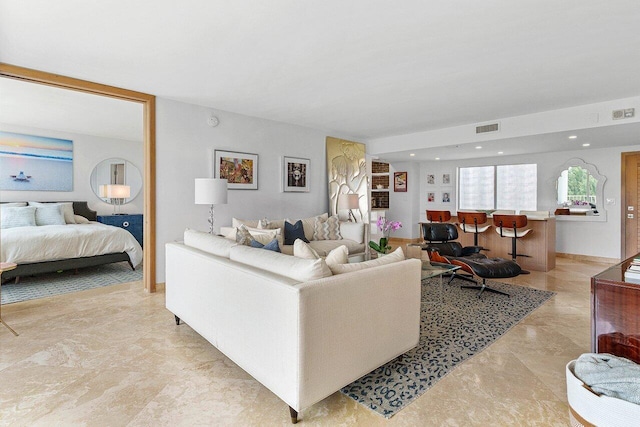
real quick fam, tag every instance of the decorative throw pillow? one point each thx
(11, 217)
(243, 236)
(271, 246)
(66, 207)
(395, 256)
(50, 215)
(293, 232)
(339, 255)
(264, 224)
(303, 250)
(80, 219)
(328, 229)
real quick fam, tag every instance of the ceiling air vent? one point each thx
(493, 127)
(627, 113)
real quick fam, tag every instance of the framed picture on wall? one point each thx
(431, 179)
(431, 197)
(446, 197)
(446, 178)
(240, 169)
(295, 174)
(400, 181)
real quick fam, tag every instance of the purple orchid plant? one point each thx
(386, 227)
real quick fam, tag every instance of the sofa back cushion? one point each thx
(295, 268)
(352, 231)
(209, 243)
(395, 256)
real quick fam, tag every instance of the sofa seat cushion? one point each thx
(323, 247)
(300, 269)
(395, 256)
(209, 243)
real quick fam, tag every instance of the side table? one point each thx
(132, 223)
(6, 266)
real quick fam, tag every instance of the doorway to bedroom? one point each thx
(105, 124)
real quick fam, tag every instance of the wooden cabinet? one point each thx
(380, 185)
(615, 322)
(131, 223)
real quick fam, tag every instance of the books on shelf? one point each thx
(632, 274)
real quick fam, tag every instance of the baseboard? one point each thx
(588, 258)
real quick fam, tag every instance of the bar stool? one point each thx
(438, 216)
(473, 222)
(512, 226)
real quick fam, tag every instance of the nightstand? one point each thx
(131, 223)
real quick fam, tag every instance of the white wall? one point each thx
(404, 206)
(600, 239)
(88, 151)
(184, 151)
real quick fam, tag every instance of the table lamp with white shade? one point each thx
(348, 202)
(211, 191)
(117, 194)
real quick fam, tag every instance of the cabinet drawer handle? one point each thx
(125, 224)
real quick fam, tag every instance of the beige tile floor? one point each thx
(114, 356)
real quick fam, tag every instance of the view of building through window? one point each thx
(498, 187)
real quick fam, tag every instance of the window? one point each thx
(498, 187)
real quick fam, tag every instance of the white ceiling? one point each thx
(361, 68)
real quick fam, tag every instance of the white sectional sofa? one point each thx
(353, 234)
(297, 328)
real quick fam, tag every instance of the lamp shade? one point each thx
(118, 191)
(211, 191)
(348, 201)
(102, 190)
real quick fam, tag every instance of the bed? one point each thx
(65, 246)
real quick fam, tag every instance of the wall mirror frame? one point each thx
(119, 172)
(149, 141)
(592, 170)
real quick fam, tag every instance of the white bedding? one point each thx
(54, 242)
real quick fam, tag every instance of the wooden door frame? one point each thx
(149, 146)
(623, 202)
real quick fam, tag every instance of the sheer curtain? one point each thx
(498, 187)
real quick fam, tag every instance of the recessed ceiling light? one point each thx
(478, 147)
(573, 136)
(586, 145)
(500, 152)
(437, 158)
(412, 154)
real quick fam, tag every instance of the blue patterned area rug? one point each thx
(64, 282)
(455, 325)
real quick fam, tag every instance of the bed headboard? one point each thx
(80, 208)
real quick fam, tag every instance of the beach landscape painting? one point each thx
(35, 163)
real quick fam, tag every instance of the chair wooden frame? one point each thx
(476, 221)
(438, 216)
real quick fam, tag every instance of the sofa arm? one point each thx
(353, 231)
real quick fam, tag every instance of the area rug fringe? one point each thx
(455, 326)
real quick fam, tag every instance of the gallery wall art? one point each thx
(35, 163)
(347, 174)
(239, 169)
(295, 174)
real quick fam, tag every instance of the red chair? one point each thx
(438, 216)
(473, 222)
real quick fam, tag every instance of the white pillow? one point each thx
(13, 204)
(308, 224)
(11, 217)
(254, 232)
(50, 214)
(80, 219)
(395, 256)
(215, 245)
(67, 210)
(339, 255)
(328, 229)
(303, 250)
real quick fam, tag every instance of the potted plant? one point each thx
(385, 227)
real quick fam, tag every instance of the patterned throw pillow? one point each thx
(17, 216)
(264, 224)
(327, 230)
(271, 246)
(293, 232)
(243, 236)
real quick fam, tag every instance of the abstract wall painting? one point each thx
(240, 169)
(35, 163)
(295, 174)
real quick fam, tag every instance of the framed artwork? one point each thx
(431, 179)
(35, 163)
(446, 197)
(240, 169)
(431, 197)
(446, 178)
(400, 181)
(295, 174)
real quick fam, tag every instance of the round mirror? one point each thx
(116, 181)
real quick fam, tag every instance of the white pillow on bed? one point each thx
(11, 217)
(67, 210)
(50, 215)
(80, 219)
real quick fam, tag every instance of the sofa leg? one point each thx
(177, 320)
(294, 415)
